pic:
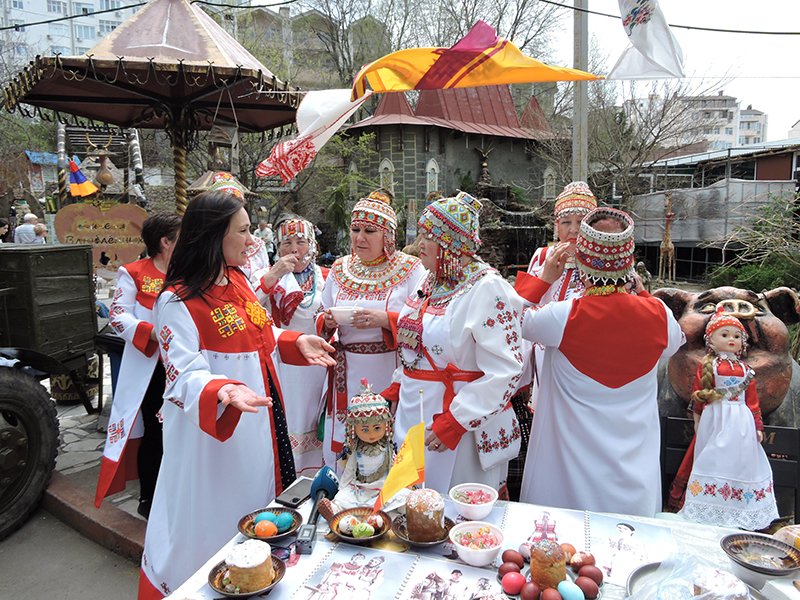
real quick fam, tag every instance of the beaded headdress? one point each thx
(376, 209)
(723, 319)
(605, 257)
(367, 408)
(576, 198)
(300, 228)
(225, 182)
(454, 224)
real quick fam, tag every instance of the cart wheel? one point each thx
(28, 447)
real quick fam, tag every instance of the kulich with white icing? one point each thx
(250, 565)
(425, 515)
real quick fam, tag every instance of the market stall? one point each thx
(390, 568)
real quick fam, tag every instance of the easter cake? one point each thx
(425, 516)
(250, 566)
(548, 564)
(713, 584)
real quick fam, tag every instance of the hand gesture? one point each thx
(432, 441)
(316, 350)
(556, 260)
(330, 323)
(242, 397)
(285, 264)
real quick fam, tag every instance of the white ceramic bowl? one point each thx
(343, 314)
(477, 557)
(473, 512)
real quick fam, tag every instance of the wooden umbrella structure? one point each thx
(170, 66)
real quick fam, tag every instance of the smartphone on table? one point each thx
(297, 493)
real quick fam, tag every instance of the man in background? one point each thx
(24, 234)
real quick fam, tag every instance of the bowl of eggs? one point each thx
(477, 542)
(473, 501)
(271, 523)
(360, 525)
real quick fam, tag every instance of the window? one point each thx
(81, 50)
(59, 50)
(105, 27)
(353, 183)
(432, 173)
(17, 4)
(386, 172)
(742, 139)
(716, 130)
(706, 115)
(110, 4)
(58, 29)
(85, 32)
(757, 140)
(549, 184)
(729, 131)
(57, 6)
(82, 8)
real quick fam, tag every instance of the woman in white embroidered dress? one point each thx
(139, 392)
(375, 279)
(294, 284)
(226, 446)
(459, 342)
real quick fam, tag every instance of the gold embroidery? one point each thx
(258, 315)
(227, 320)
(152, 285)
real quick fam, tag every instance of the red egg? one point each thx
(580, 559)
(512, 582)
(592, 572)
(266, 529)
(529, 591)
(588, 587)
(513, 556)
(508, 567)
(551, 594)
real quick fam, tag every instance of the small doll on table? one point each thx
(731, 480)
(369, 452)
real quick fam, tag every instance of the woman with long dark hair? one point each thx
(226, 445)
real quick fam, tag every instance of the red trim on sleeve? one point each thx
(643, 294)
(447, 429)
(530, 287)
(287, 346)
(392, 393)
(142, 340)
(219, 428)
(751, 399)
(390, 335)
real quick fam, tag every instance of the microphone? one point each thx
(325, 485)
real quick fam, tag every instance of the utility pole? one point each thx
(580, 116)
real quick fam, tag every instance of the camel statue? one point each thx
(666, 258)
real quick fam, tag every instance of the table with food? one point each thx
(469, 545)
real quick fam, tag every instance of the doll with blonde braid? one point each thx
(731, 480)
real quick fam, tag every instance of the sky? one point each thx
(765, 68)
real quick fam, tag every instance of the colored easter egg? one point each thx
(363, 530)
(508, 567)
(588, 586)
(265, 516)
(592, 572)
(570, 591)
(376, 521)
(266, 529)
(512, 582)
(530, 591)
(513, 556)
(284, 521)
(551, 594)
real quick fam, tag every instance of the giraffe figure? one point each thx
(666, 259)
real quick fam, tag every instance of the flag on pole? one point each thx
(408, 467)
(654, 52)
(319, 116)
(479, 58)
(78, 184)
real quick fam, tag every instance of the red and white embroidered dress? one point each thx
(595, 440)
(131, 317)
(731, 480)
(472, 334)
(219, 463)
(371, 352)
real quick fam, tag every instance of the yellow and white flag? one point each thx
(408, 467)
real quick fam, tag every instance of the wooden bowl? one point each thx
(362, 512)
(217, 574)
(247, 524)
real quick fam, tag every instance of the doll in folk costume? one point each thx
(730, 483)
(369, 453)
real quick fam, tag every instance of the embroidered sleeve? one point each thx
(190, 384)
(489, 317)
(123, 320)
(751, 398)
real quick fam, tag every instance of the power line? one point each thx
(602, 14)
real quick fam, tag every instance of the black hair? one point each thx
(156, 227)
(626, 525)
(3, 222)
(197, 258)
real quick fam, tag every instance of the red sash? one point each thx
(447, 376)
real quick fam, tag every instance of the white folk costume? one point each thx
(595, 441)
(731, 480)
(219, 461)
(459, 341)
(131, 317)
(295, 301)
(365, 352)
(575, 199)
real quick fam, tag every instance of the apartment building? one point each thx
(752, 126)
